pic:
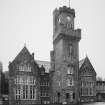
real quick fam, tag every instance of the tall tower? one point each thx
(65, 56)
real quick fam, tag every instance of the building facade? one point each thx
(87, 81)
(44, 86)
(24, 85)
(100, 90)
(65, 56)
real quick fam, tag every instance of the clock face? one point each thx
(68, 18)
(64, 19)
(61, 19)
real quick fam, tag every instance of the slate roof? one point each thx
(22, 53)
(46, 64)
(86, 59)
(81, 62)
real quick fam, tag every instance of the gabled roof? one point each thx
(85, 61)
(23, 52)
(81, 62)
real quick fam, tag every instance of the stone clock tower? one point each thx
(65, 57)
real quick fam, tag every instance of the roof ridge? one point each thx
(81, 62)
(24, 49)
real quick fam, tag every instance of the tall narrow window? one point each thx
(25, 92)
(67, 95)
(58, 82)
(71, 96)
(70, 50)
(70, 81)
(18, 93)
(58, 94)
(30, 92)
(33, 92)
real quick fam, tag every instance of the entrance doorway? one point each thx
(67, 97)
(70, 96)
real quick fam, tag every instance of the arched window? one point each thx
(70, 52)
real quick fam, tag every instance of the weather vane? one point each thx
(24, 44)
(62, 2)
(69, 3)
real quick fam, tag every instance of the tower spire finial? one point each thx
(64, 2)
(24, 44)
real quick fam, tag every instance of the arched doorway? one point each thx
(70, 97)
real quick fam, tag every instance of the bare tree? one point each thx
(99, 79)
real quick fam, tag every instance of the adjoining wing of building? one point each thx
(46, 64)
(87, 81)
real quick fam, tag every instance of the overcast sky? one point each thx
(30, 22)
